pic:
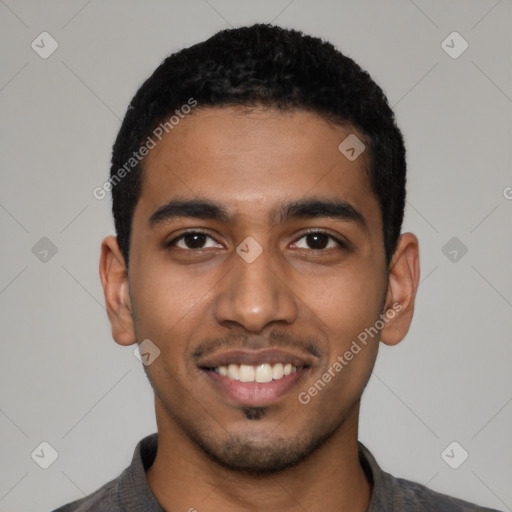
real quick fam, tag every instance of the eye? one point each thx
(314, 240)
(191, 240)
(320, 240)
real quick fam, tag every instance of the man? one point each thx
(258, 185)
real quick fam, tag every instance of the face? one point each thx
(256, 260)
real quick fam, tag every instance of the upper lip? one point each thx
(256, 357)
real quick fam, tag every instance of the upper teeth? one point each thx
(261, 373)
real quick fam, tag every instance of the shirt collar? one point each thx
(134, 493)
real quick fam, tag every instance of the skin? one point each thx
(252, 162)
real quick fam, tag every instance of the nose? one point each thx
(255, 294)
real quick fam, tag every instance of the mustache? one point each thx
(276, 339)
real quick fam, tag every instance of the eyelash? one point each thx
(342, 245)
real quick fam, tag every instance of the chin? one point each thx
(253, 455)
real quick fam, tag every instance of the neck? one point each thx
(183, 478)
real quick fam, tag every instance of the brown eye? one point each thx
(319, 241)
(194, 240)
(191, 240)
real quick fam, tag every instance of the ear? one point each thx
(114, 279)
(403, 281)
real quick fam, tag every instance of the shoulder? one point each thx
(102, 500)
(400, 495)
(129, 491)
(417, 497)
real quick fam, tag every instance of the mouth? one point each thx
(255, 378)
(261, 373)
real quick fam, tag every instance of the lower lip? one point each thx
(255, 394)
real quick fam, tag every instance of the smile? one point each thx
(255, 377)
(261, 373)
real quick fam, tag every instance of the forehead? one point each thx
(252, 161)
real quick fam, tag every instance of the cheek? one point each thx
(350, 304)
(164, 298)
(332, 395)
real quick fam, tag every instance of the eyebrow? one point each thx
(307, 208)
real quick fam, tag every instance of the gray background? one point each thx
(66, 382)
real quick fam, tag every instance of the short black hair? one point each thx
(264, 65)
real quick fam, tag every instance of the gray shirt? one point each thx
(130, 492)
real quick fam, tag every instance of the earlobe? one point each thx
(403, 280)
(114, 280)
